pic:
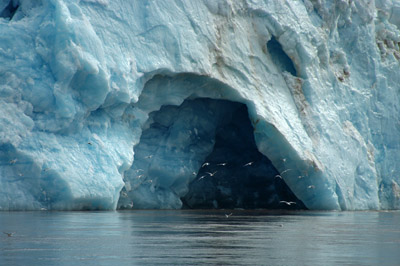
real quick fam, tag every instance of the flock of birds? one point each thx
(211, 174)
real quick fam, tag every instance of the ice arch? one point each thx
(197, 150)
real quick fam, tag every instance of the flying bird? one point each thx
(211, 174)
(286, 171)
(248, 164)
(221, 164)
(228, 215)
(8, 234)
(288, 202)
(205, 164)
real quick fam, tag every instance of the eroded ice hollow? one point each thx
(200, 152)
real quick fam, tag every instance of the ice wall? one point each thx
(95, 92)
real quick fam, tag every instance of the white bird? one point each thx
(148, 157)
(211, 174)
(194, 173)
(222, 164)
(205, 164)
(201, 177)
(286, 171)
(312, 186)
(288, 202)
(8, 234)
(248, 164)
(228, 215)
(278, 176)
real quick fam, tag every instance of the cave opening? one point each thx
(279, 57)
(10, 10)
(202, 155)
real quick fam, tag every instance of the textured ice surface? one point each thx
(107, 104)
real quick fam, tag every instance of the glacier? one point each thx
(175, 104)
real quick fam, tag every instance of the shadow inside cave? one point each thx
(202, 155)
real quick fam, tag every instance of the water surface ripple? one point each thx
(187, 237)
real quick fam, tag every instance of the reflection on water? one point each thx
(200, 237)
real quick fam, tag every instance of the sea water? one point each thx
(201, 237)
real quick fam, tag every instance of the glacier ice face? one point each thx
(162, 104)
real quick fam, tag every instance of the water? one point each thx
(200, 238)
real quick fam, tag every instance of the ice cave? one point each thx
(211, 104)
(200, 153)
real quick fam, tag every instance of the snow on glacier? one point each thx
(162, 104)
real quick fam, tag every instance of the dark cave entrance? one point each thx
(202, 155)
(235, 174)
(9, 11)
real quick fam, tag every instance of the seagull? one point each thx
(8, 234)
(288, 202)
(286, 171)
(248, 164)
(278, 176)
(201, 177)
(312, 186)
(194, 173)
(222, 164)
(211, 174)
(228, 215)
(205, 164)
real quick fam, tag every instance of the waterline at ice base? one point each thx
(250, 104)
